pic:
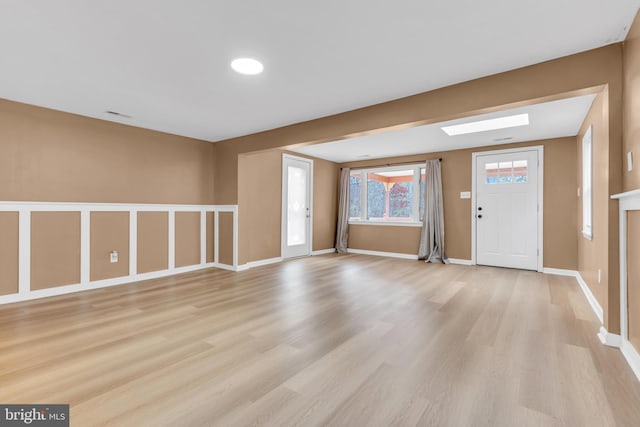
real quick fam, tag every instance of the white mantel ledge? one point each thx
(627, 195)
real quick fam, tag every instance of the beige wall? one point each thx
(326, 176)
(402, 240)
(260, 204)
(549, 80)
(8, 253)
(49, 155)
(225, 244)
(54, 156)
(55, 249)
(560, 249)
(153, 241)
(187, 240)
(593, 254)
(109, 232)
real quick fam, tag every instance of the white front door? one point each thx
(296, 206)
(506, 209)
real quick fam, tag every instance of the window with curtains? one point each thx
(388, 195)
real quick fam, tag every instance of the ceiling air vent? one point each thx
(115, 113)
(509, 138)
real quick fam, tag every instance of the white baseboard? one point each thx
(460, 261)
(324, 252)
(593, 302)
(595, 305)
(98, 284)
(268, 261)
(632, 356)
(378, 253)
(232, 268)
(609, 339)
(260, 263)
(559, 272)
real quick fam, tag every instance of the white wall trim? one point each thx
(324, 251)
(203, 242)
(474, 156)
(632, 356)
(24, 210)
(378, 253)
(260, 263)
(593, 302)
(24, 250)
(460, 261)
(609, 339)
(171, 255)
(559, 272)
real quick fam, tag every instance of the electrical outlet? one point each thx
(113, 256)
(599, 275)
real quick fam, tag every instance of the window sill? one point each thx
(389, 223)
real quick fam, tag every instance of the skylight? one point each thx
(486, 125)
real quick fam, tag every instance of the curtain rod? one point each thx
(390, 164)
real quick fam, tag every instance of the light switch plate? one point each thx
(465, 194)
(113, 256)
(629, 161)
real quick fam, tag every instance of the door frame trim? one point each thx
(474, 156)
(283, 225)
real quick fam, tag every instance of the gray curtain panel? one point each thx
(343, 213)
(432, 237)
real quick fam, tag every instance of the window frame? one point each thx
(415, 208)
(587, 184)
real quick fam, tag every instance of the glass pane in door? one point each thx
(297, 206)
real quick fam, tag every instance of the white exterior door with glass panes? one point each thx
(506, 209)
(296, 206)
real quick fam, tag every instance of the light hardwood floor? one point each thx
(329, 340)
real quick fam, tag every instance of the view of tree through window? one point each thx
(388, 194)
(375, 199)
(355, 182)
(401, 200)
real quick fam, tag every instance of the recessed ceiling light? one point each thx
(485, 125)
(248, 66)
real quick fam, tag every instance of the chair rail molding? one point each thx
(25, 209)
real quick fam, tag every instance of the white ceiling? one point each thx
(166, 63)
(546, 120)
